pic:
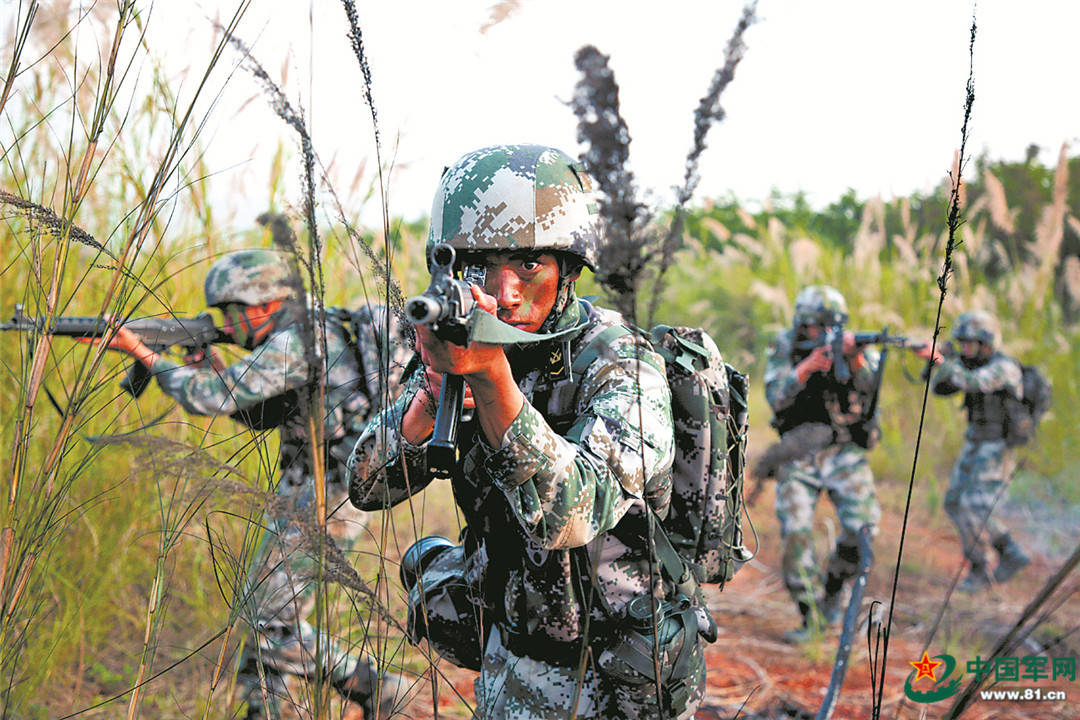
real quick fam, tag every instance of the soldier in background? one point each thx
(989, 380)
(262, 310)
(802, 389)
(554, 469)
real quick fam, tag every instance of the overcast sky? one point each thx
(831, 94)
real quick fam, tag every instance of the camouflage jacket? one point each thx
(985, 390)
(264, 389)
(571, 467)
(820, 399)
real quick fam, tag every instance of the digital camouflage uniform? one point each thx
(264, 390)
(986, 463)
(556, 512)
(840, 469)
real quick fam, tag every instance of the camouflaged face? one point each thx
(251, 277)
(820, 305)
(978, 326)
(511, 197)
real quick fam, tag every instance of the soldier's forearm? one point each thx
(498, 402)
(781, 388)
(418, 422)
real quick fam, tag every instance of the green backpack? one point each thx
(701, 539)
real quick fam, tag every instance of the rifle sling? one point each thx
(486, 328)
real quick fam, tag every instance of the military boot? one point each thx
(834, 604)
(1012, 559)
(365, 684)
(977, 580)
(812, 625)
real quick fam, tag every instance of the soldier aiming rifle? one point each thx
(158, 334)
(822, 383)
(1004, 400)
(551, 467)
(263, 306)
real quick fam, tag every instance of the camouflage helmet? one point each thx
(511, 197)
(978, 326)
(251, 277)
(820, 305)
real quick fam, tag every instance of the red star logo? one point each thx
(925, 667)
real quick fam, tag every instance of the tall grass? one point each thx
(122, 557)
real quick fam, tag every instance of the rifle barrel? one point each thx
(157, 332)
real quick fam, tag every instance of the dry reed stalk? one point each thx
(804, 254)
(750, 245)
(500, 12)
(956, 180)
(1070, 279)
(708, 112)
(1049, 233)
(20, 585)
(1003, 217)
(774, 239)
(869, 241)
(776, 297)
(747, 219)
(717, 228)
(22, 34)
(7, 541)
(880, 660)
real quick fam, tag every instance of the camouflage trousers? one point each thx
(843, 472)
(978, 481)
(284, 648)
(515, 686)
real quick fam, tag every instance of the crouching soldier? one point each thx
(554, 468)
(262, 306)
(990, 380)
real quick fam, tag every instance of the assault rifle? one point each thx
(833, 338)
(158, 333)
(444, 307)
(807, 439)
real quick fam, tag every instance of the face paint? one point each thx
(249, 325)
(236, 323)
(525, 285)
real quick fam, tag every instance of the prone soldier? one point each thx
(262, 308)
(553, 470)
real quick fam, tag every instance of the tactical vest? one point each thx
(986, 415)
(808, 406)
(514, 561)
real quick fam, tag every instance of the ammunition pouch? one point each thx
(866, 433)
(637, 642)
(986, 432)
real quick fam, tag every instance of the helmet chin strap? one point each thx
(562, 295)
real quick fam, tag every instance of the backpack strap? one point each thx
(677, 570)
(594, 347)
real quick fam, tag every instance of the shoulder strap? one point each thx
(594, 347)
